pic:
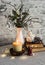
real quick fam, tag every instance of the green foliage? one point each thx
(19, 17)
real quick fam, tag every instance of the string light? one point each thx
(3, 55)
(23, 57)
(12, 58)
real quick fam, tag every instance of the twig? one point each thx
(9, 4)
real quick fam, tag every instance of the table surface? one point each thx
(6, 59)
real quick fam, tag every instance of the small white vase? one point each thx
(19, 36)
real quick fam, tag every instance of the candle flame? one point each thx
(17, 41)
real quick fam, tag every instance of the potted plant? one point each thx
(18, 19)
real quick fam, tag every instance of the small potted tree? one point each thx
(19, 20)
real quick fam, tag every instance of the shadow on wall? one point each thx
(4, 41)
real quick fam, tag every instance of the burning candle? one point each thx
(17, 46)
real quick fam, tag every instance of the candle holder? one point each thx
(15, 53)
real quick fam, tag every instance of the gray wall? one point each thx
(37, 10)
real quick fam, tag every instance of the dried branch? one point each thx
(2, 8)
(9, 4)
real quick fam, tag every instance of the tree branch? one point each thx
(9, 4)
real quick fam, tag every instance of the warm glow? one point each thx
(36, 46)
(17, 46)
(17, 43)
(24, 57)
(35, 54)
(32, 46)
(12, 58)
(3, 55)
